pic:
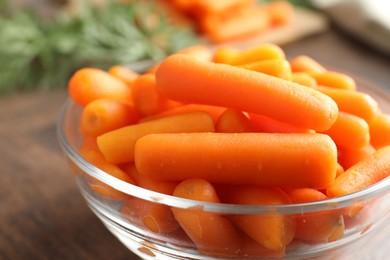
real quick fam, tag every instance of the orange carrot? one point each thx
(320, 226)
(334, 80)
(118, 145)
(340, 170)
(88, 84)
(147, 99)
(156, 217)
(213, 111)
(273, 231)
(104, 115)
(305, 63)
(363, 174)
(200, 52)
(90, 152)
(123, 73)
(188, 80)
(281, 12)
(245, 23)
(349, 157)
(380, 130)
(349, 131)
(354, 102)
(279, 68)
(233, 121)
(220, 6)
(225, 55)
(265, 51)
(212, 233)
(303, 79)
(266, 124)
(290, 160)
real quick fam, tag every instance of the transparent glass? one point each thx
(132, 215)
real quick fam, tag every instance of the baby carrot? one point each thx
(245, 23)
(265, 51)
(266, 124)
(147, 99)
(334, 80)
(123, 73)
(225, 55)
(279, 68)
(200, 52)
(349, 157)
(156, 217)
(233, 121)
(188, 80)
(318, 227)
(212, 233)
(380, 130)
(289, 160)
(118, 145)
(354, 102)
(349, 131)
(220, 6)
(88, 84)
(104, 115)
(90, 152)
(363, 174)
(305, 63)
(303, 79)
(273, 231)
(213, 111)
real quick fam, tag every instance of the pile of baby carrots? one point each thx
(246, 127)
(227, 20)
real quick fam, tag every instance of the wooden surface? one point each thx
(42, 214)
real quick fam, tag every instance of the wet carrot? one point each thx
(89, 84)
(273, 231)
(303, 79)
(265, 51)
(305, 63)
(266, 124)
(349, 131)
(123, 73)
(264, 159)
(220, 6)
(319, 227)
(118, 145)
(104, 115)
(334, 80)
(279, 68)
(349, 157)
(354, 102)
(147, 100)
(363, 174)
(212, 233)
(380, 130)
(233, 121)
(188, 80)
(213, 111)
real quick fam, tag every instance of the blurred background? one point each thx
(43, 42)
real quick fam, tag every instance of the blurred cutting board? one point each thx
(305, 22)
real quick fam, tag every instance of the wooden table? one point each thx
(42, 214)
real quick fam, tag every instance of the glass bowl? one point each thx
(125, 216)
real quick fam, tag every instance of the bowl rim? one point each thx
(133, 190)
